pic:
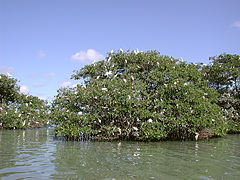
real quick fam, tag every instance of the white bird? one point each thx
(125, 80)
(108, 73)
(112, 51)
(104, 89)
(135, 128)
(121, 50)
(109, 59)
(8, 74)
(97, 77)
(150, 120)
(24, 122)
(129, 97)
(181, 59)
(196, 136)
(80, 113)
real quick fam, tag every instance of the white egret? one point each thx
(181, 59)
(108, 73)
(104, 89)
(125, 80)
(135, 128)
(80, 113)
(121, 50)
(150, 120)
(109, 59)
(98, 77)
(8, 74)
(137, 51)
(196, 136)
(112, 51)
(24, 122)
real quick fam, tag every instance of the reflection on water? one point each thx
(36, 154)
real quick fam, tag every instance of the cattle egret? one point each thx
(109, 59)
(135, 128)
(104, 89)
(125, 61)
(181, 59)
(80, 113)
(99, 121)
(112, 51)
(24, 122)
(108, 73)
(97, 77)
(213, 120)
(8, 74)
(19, 115)
(129, 97)
(196, 136)
(125, 80)
(121, 50)
(185, 84)
(150, 120)
(137, 50)
(132, 78)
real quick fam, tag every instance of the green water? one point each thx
(36, 154)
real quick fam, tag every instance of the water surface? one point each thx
(36, 154)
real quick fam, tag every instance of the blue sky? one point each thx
(43, 41)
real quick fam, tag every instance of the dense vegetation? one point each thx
(18, 110)
(135, 96)
(147, 96)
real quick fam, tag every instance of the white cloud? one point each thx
(6, 70)
(66, 84)
(38, 85)
(49, 75)
(236, 24)
(41, 54)
(87, 56)
(24, 89)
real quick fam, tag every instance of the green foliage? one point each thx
(18, 110)
(8, 89)
(138, 96)
(224, 75)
